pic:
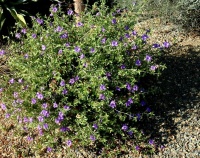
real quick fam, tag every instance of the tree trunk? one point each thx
(79, 7)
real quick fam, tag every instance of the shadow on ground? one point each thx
(180, 92)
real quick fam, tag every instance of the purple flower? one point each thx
(60, 51)
(143, 103)
(41, 133)
(112, 104)
(54, 9)
(18, 35)
(58, 29)
(44, 105)
(155, 45)
(7, 115)
(39, 96)
(148, 109)
(92, 137)
(144, 37)
(128, 86)
(45, 126)
(57, 121)
(34, 36)
(127, 35)
(23, 31)
(92, 50)
(138, 116)
(118, 11)
(82, 56)
(49, 149)
(102, 97)
(26, 56)
(79, 24)
(33, 101)
(29, 138)
(67, 45)
(15, 94)
(102, 87)
(61, 115)
(76, 78)
(108, 75)
(62, 83)
(162, 147)
(19, 101)
(30, 119)
(130, 133)
(85, 65)
(118, 88)
(103, 29)
(126, 27)
(138, 63)
(103, 40)
(122, 66)
(25, 120)
(43, 47)
(39, 127)
(135, 88)
(40, 119)
(39, 21)
(129, 102)
(153, 67)
(134, 32)
(134, 47)
(95, 126)
(114, 43)
(151, 142)
(148, 58)
(45, 113)
(66, 107)
(121, 38)
(64, 36)
(11, 81)
(72, 81)
(114, 21)
(64, 129)
(20, 80)
(55, 105)
(70, 12)
(124, 127)
(2, 52)
(137, 148)
(166, 44)
(77, 49)
(64, 92)
(69, 143)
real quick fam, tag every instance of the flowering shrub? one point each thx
(80, 84)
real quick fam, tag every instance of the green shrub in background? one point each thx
(185, 13)
(11, 8)
(80, 84)
(20, 11)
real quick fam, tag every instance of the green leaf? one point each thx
(2, 22)
(2, 19)
(17, 17)
(18, 2)
(21, 18)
